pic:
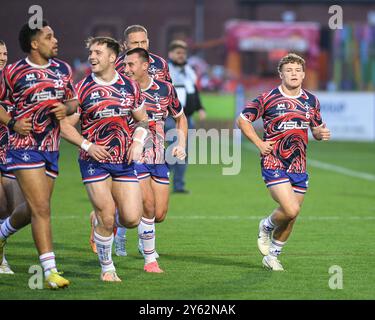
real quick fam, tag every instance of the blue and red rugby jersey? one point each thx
(286, 120)
(32, 90)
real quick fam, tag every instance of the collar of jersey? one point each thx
(37, 66)
(291, 97)
(104, 83)
(149, 86)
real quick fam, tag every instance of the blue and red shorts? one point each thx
(158, 172)
(21, 159)
(5, 172)
(299, 181)
(94, 171)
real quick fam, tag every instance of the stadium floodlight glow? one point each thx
(288, 16)
(371, 18)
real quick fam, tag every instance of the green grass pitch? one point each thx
(207, 244)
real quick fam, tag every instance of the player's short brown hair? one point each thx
(134, 28)
(291, 58)
(110, 42)
(142, 53)
(177, 44)
(2, 43)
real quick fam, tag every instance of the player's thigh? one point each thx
(161, 194)
(13, 193)
(148, 197)
(50, 185)
(284, 195)
(36, 187)
(300, 198)
(128, 198)
(3, 200)
(100, 195)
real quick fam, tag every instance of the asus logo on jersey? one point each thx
(155, 116)
(109, 113)
(47, 95)
(293, 125)
(280, 106)
(30, 77)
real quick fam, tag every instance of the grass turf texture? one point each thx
(218, 106)
(207, 244)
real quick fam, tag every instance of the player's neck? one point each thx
(145, 82)
(106, 76)
(35, 58)
(293, 92)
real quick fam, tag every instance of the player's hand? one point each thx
(135, 152)
(23, 126)
(179, 152)
(266, 147)
(98, 152)
(325, 133)
(59, 110)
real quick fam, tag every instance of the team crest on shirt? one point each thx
(91, 170)
(30, 77)
(59, 74)
(25, 157)
(156, 97)
(123, 92)
(281, 106)
(95, 95)
(152, 69)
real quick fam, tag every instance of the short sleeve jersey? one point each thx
(106, 114)
(3, 129)
(32, 90)
(161, 100)
(286, 120)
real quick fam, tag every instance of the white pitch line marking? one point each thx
(199, 217)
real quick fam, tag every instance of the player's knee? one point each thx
(40, 210)
(292, 211)
(148, 208)
(4, 212)
(160, 215)
(132, 222)
(107, 222)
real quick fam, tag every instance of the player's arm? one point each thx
(61, 110)
(321, 132)
(265, 147)
(70, 133)
(182, 128)
(140, 133)
(21, 126)
(71, 106)
(319, 129)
